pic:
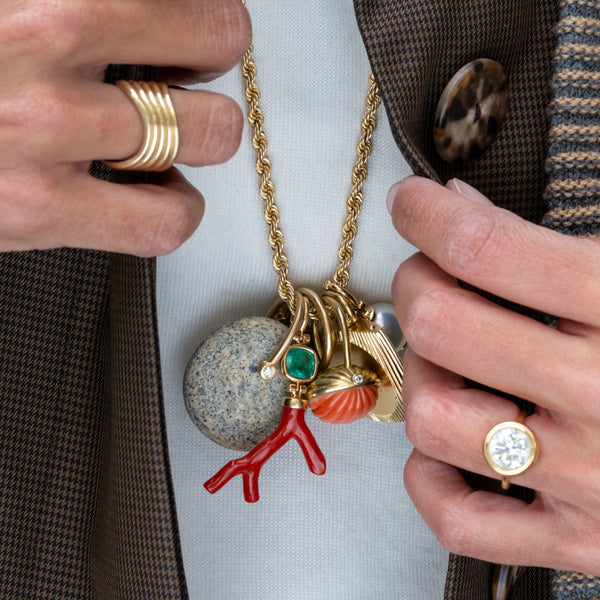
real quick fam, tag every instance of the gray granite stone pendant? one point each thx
(224, 394)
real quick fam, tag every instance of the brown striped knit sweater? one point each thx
(573, 168)
(573, 163)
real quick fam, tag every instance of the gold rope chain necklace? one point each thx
(267, 189)
(235, 381)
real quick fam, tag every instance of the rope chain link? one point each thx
(359, 176)
(267, 188)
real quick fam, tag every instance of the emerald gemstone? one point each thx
(300, 363)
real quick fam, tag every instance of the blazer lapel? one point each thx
(415, 47)
(136, 544)
(52, 318)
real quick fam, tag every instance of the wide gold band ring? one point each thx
(510, 448)
(161, 136)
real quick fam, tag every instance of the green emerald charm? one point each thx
(300, 364)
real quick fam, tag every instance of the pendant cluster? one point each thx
(338, 323)
(331, 329)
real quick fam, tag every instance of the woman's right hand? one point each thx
(57, 116)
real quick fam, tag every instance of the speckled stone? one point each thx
(224, 394)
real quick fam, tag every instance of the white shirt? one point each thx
(353, 532)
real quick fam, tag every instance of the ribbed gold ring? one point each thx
(161, 136)
(510, 448)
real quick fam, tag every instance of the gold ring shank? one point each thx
(161, 135)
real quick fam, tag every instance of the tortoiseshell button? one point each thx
(471, 111)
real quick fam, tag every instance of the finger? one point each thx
(203, 35)
(500, 529)
(497, 251)
(71, 208)
(145, 220)
(87, 121)
(449, 423)
(210, 128)
(469, 335)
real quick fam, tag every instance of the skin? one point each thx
(56, 116)
(455, 334)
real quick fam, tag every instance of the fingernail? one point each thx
(391, 196)
(467, 191)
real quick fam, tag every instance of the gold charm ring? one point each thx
(510, 448)
(161, 136)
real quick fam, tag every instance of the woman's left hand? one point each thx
(454, 334)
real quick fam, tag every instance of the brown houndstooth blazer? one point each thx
(86, 503)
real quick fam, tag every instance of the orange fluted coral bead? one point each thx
(346, 405)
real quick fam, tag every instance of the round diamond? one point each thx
(268, 372)
(510, 448)
(357, 379)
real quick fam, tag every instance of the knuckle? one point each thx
(423, 411)
(413, 475)
(419, 407)
(23, 27)
(168, 229)
(450, 531)
(566, 547)
(48, 111)
(54, 28)
(425, 321)
(10, 207)
(579, 386)
(584, 385)
(27, 206)
(405, 273)
(588, 471)
(42, 112)
(473, 238)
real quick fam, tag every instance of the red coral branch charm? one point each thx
(292, 425)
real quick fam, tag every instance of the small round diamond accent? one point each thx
(268, 372)
(510, 448)
(358, 379)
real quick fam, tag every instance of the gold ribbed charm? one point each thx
(371, 338)
(341, 377)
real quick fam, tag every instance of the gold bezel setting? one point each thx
(526, 462)
(292, 377)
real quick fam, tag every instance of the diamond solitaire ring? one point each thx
(510, 448)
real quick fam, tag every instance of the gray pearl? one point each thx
(385, 317)
(224, 394)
